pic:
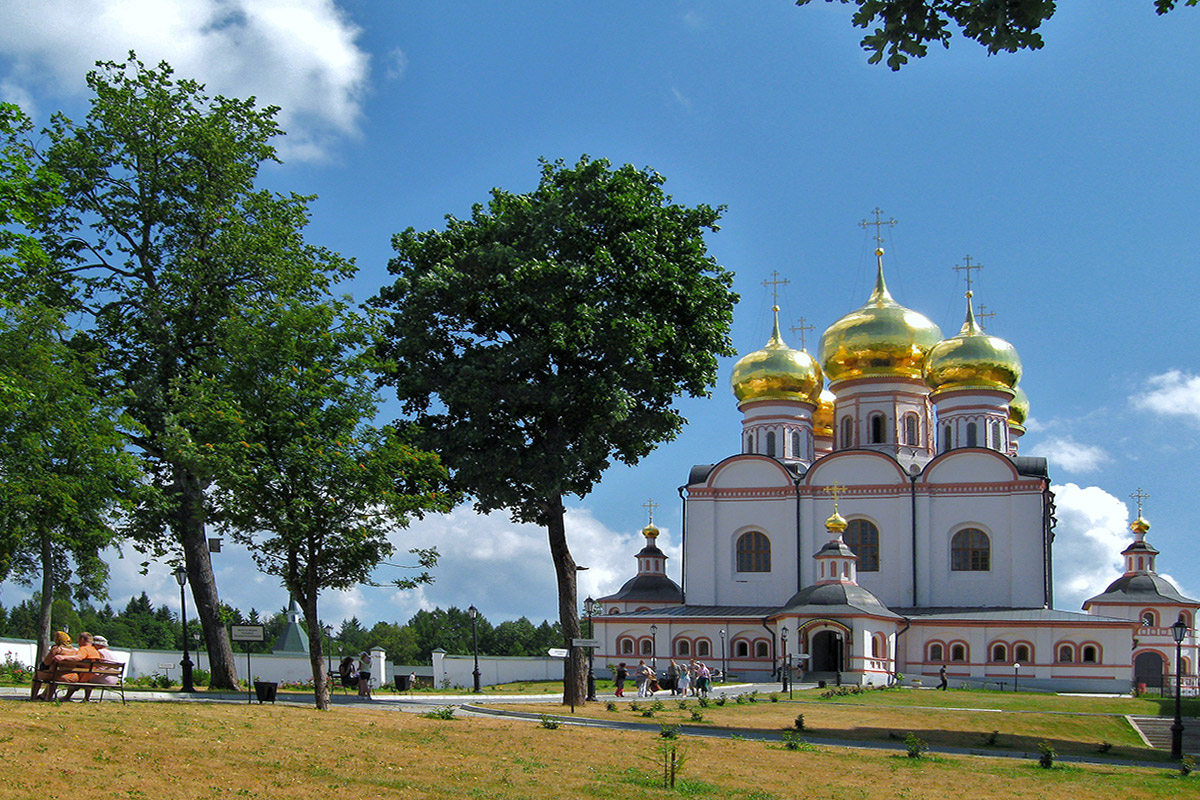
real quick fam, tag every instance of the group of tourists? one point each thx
(62, 661)
(358, 674)
(691, 679)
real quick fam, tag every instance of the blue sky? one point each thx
(1070, 174)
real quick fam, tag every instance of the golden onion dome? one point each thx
(836, 522)
(1140, 525)
(972, 359)
(650, 531)
(883, 338)
(1018, 407)
(822, 418)
(777, 372)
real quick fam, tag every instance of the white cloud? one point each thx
(301, 55)
(1173, 393)
(1091, 533)
(1069, 455)
(397, 64)
(682, 99)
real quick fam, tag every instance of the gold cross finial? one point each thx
(981, 315)
(837, 490)
(968, 266)
(878, 223)
(800, 329)
(1139, 495)
(775, 283)
(650, 505)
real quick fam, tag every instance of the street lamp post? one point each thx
(329, 648)
(654, 650)
(1016, 675)
(1178, 632)
(787, 684)
(474, 612)
(589, 605)
(186, 663)
(724, 665)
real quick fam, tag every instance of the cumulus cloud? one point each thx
(1069, 455)
(1173, 393)
(1092, 531)
(301, 55)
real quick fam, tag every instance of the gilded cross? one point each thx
(775, 283)
(982, 315)
(837, 490)
(650, 505)
(1139, 495)
(800, 329)
(968, 267)
(878, 223)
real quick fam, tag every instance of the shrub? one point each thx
(550, 723)
(703, 701)
(201, 677)
(774, 697)
(989, 739)
(668, 731)
(794, 741)
(441, 712)
(799, 722)
(1187, 765)
(1047, 755)
(697, 716)
(1104, 746)
(683, 705)
(721, 700)
(634, 707)
(740, 699)
(610, 706)
(657, 705)
(649, 712)
(914, 745)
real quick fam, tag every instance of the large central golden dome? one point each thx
(883, 338)
(972, 359)
(777, 372)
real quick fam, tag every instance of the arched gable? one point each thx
(856, 468)
(748, 471)
(970, 466)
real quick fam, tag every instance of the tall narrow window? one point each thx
(753, 552)
(972, 435)
(741, 649)
(946, 439)
(877, 433)
(911, 432)
(997, 442)
(796, 445)
(771, 443)
(847, 433)
(761, 650)
(999, 653)
(970, 551)
(1022, 653)
(749, 444)
(958, 653)
(863, 538)
(935, 652)
(703, 648)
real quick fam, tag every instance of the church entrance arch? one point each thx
(827, 651)
(1148, 669)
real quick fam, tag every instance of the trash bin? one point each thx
(265, 691)
(820, 684)
(402, 684)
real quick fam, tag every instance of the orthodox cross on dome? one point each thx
(968, 266)
(1139, 496)
(650, 505)
(774, 284)
(837, 490)
(878, 223)
(800, 329)
(981, 315)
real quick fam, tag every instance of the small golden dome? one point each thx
(1018, 408)
(777, 372)
(822, 418)
(881, 338)
(836, 523)
(972, 359)
(1140, 525)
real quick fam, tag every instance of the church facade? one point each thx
(878, 520)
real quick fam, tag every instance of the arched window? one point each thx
(946, 437)
(683, 647)
(999, 653)
(647, 647)
(761, 650)
(1089, 654)
(972, 435)
(912, 434)
(1021, 653)
(627, 647)
(796, 445)
(1149, 619)
(741, 649)
(876, 648)
(771, 443)
(703, 648)
(863, 538)
(847, 433)
(1187, 620)
(936, 653)
(1066, 654)
(997, 441)
(970, 551)
(614, 610)
(753, 552)
(749, 444)
(877, 432)
(958, 652)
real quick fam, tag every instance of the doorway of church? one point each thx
(827, 652)
(1148, 670)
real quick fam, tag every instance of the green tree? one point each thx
(305, 481)
(163, 223)
(906, 27)
(550, 334)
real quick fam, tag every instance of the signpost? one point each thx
(248, 633)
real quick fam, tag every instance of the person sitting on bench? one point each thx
(64, 665)
(101, 645)
(45, 670)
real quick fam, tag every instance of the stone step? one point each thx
(1157, 731)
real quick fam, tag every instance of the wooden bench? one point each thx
(115, 669)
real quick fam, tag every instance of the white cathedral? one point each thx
(884, 525)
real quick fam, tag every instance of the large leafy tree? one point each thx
(550, 334)
(304, 479)
(164, 229)
(906, 27)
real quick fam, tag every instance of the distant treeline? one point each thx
(142, 626)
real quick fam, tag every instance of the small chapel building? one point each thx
(878, 521)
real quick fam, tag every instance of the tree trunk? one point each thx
(47, 602)
(574, 690)
(312, 624)
(198, 562)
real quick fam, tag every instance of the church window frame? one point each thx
(912, 429)
(958, 652)
(877, 646)
(862, 536)
(1149, 618)
(847, 433)
(1089, 653)
(741, 649)
(947, 438)
(970, 551)
(683, 647)
(752, 552)
(796, 445)
(749, 443)
(972, 435)
(997, 437)
(1022, 653)
(625, 646)
(1065, 653)
(614, 610)
(999, 653)
(937, 652)
(771, 438)
(1185, 618)
(877, 425)
(762, 649)
(703, 648)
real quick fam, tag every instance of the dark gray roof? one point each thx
(996, 614)
(836, 598)
(723, 612)
(1141, 588)
(293, 639)
(699, 473)
(1033, 466)
(648, 588)
(836, 547)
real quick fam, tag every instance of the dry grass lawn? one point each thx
(185, 750)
